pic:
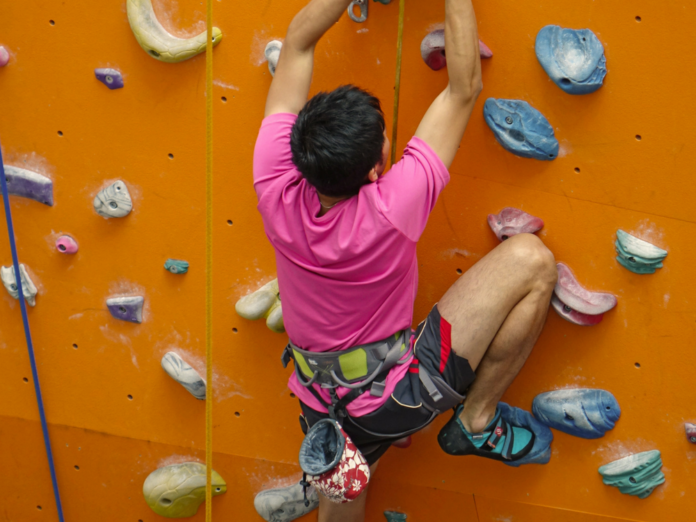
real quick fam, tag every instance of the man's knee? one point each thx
(530, 254)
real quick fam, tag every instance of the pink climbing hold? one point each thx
(403, 443)
(690, 432)
(576, 304)
(4, 56)
(433, 50)
(66, 245)
(512, 221)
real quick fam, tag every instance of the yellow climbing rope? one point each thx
(397, 82)
(209, 263)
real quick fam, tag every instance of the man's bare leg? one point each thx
(349, 512)
(497, 310)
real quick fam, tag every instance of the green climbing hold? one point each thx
(636, 255)
(393, 516)
(635, 475)
(176, 266)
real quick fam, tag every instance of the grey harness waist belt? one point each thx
(352, 368)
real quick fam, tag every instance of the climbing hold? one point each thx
(176, 266)
(4, 56)
(126, 308)
(155, 39)
(114, 201)
(285, 504)
(690, 432)
(272, 53)
(395, 516)
(521, 129)
(178, 490)
(29, 184)
(181, 372)
(265, 302)
(109, 77)
(66, 245)
(574, 59)
(433, 50)
(7, 274)
(580, 412)
(363, 10)
(637, 255)
(577, 305)
(512, 221)
(636, 474)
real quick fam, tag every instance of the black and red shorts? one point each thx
(375, 432)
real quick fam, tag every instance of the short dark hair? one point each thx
(337, 139)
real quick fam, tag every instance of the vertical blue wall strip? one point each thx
(27, 334)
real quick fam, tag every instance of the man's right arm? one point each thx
(443, 125)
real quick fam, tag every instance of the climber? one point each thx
(345, 230)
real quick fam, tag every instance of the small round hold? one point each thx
(4, 56)
(66, 245)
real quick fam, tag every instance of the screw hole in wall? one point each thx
(25, 379)
(234, 330)
(74, 346)
(577, 170)
(639, 19)
(638, 137)
(292, 395)
(171, 156)
(637, 365)
(38, 507)
(229, 222)
(77, 467)
(60, 133)
(52, 22)
(224, 99)
(130, 397)
(459, 271)
(236, 414)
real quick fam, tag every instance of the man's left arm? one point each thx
(293, 76)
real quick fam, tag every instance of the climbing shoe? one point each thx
(499, 441)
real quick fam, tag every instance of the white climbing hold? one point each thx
(7, 274)
(285, 504)
(114, 201)
(184, 374)
(265, 302)
(155, 39)
(272, 53)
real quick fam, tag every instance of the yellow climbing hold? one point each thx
(265, 302)
(178, 490)
(155, 39)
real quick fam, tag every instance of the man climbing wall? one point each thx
(345, 231)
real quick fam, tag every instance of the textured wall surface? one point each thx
(90, 363)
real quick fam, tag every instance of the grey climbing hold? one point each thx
(126, 308)
(580, 412)
(363, 10)
(690, 432)
(521, 129)
(637, 255)
(636, 475)
(285, 504)
(176, 266)
(114, 201)
(395, 516)
(7, 275)
(573, 59)
(272, 53)
(184, 374)
(28, 184)
(109, 77)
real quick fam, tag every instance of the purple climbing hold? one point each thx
(512, 221)
(109, 77)
(126, 308)
(66, 245)
(28, 184)
(690, 432)
(433, 50)
(4, 56)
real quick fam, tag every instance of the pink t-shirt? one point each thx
(348, 277)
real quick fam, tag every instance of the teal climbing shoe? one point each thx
(499, 441)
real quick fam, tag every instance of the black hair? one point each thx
(337, 139)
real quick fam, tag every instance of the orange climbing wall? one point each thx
(90, 363)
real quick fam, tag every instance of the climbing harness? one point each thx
(27, 335)
(397, 81)
(209, 262)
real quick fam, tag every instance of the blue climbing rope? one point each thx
(27, 335)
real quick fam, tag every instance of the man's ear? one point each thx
(373, 176)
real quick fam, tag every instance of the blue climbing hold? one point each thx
(521, 129)
(582, 412)
(574, 59)
(541, 451)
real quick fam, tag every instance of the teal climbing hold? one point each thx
(394, 516)
(636, 255)
(636, 475)
(176, 266)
